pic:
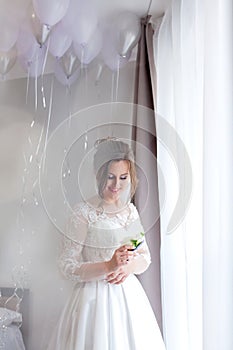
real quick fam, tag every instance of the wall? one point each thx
(29, 239)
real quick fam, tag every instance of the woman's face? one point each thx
(118, 180)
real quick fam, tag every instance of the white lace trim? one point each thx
(91, 215)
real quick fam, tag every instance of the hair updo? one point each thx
(110, 150)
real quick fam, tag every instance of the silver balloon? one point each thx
(7, 60)
(40, 31)
(44, 33)
(62, 77)
(128, 31)
(110, 54)
(69, 62)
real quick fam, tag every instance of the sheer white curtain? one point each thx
(193, 57)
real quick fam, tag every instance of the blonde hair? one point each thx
(109, 151)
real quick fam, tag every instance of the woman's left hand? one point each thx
(118, 276)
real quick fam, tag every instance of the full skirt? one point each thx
(103, 316)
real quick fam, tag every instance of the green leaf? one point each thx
(136, 242)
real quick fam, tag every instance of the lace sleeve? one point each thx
(142, 258)
(71, 261)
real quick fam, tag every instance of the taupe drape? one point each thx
(145, 92)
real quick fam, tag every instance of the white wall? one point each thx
(29, 240)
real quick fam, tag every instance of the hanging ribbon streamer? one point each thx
(48, 124)
(117, 80)
(27, 88)
(20, 273)
(67, 171)
(36, 84)
(86, 140)
(42, 75)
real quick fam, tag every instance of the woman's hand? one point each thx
(119, 276)
(120, 258)
(117, 266)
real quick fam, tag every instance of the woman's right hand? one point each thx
(121, 257)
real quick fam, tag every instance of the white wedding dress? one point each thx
(100, 315)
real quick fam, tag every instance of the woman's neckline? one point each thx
(103, 207)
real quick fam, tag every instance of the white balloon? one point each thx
(109, 52)
(86, 53)
(59, 42)
(34, 66)
(50, 12)
(31, 52)
(81, 20)
(27, 44)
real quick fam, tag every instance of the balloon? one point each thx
(50, 12)
(40, 31)
(34, 65)
(59, 41)
(110, 55)
(27, 44)
(92, 48)
(31, 54)
(80, 20)
(9, 33)
(128, 31)
(69, 62)
(115, 61)
(7, 60)
(61, 74)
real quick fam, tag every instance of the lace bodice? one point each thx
(93, 235)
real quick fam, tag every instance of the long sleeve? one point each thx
(141, 260)
(73, 267)
(71, 262)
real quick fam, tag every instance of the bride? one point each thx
(106, 248)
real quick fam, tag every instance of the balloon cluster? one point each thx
(70, 31)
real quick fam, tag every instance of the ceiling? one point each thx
(106, 9)
(140, 7)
